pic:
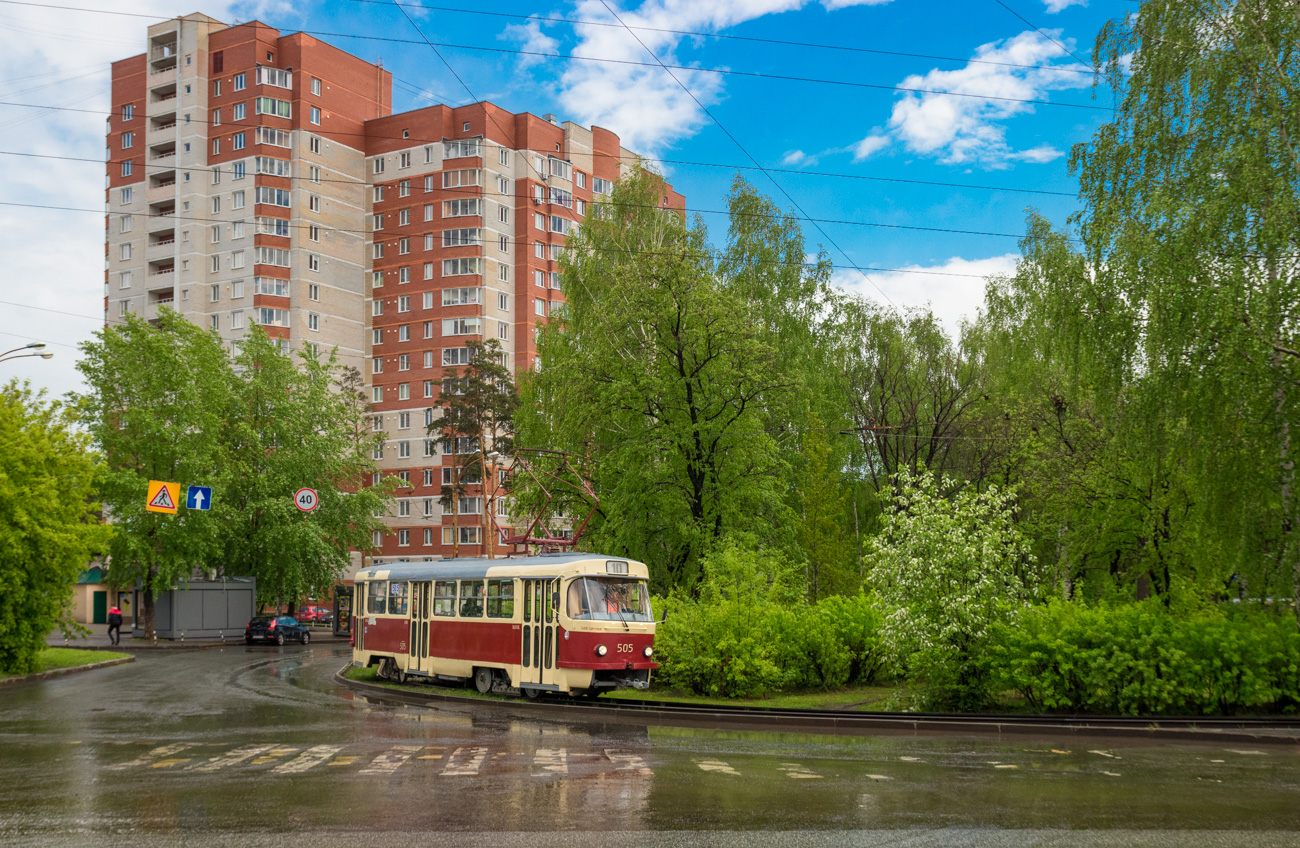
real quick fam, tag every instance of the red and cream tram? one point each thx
(571, 623)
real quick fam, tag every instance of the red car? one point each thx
(320, 615)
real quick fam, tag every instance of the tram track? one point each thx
(1252, 729)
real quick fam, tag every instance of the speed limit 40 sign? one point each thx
(306, 499)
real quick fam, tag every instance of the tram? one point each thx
(570, 623)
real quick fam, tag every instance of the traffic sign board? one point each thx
(199, 497)
(305, 499)
(162, 497)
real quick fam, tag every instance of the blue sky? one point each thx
(861, 127)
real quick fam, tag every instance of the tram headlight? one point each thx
(649, 651)
(601, 650)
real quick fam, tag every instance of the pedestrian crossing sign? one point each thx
(162, 497)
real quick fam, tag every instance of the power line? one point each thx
(751, 158)
(719, 71)
(516, 241)
(1027, 22)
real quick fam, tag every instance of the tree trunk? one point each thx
(148, 600)
(1286, 484)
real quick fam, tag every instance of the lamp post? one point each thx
(34, 346)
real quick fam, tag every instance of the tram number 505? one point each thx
(623, 649)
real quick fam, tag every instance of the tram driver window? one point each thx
(397, 595)
(471, 599)
(501, 599)
(377, 599)
(444, 597)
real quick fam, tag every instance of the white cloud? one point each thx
(532, 39)
(1054, 6)
(644, 105)
(794, 157)
(55, 258)
(971, 129)
(953, 290)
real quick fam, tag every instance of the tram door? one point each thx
(538, 647)
(421, 603)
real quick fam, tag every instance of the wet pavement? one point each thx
(259, 746)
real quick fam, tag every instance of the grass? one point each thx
(51, 659)
(853, 697)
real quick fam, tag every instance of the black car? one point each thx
(275, 628)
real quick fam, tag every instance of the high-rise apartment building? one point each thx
(255, 178)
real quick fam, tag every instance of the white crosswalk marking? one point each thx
(465, 762)
(234, 757)
(155, 754)
(391, 760)
(551, 761)
(625, 761)
(798, 772)
(307, 760)
(716, 765)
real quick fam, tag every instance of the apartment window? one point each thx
(404, 217)
(377, 365)
(503, 214)
(239, 112)
(313, 262)
(463, 206)
(428, 359)
(313, 232)
(404, 274)
(377, 250)
(461, 177)
(377, 222)
(539, 221)
(428, 156)
(237, 141)
(462, 147)
(455, 356)
(377, 423)
(428, 270)
(459, 267)
(214, 294)
(404, 452)
(313, 321)
(124, 224)
(128, 139)
(274, 76)
(377, 279)
(379, 194)
(237, 200)
(315, 115)
(539, 277)
(404, 158)
(376, 308)
(503, 155)
(314, 144)
(404, 333)
(267, 226)
(214, 322)
(403, 538)
(600, 186)
(428, 241)
(272, 106)
(236, 229)
(379, 165)
(271, 256)
(428, 420)
(315, 87)
(503, 272)
(271, 286)
(404, 303)
(503, 301)
(579, 179)
(124, 252)
(239, 170)
(271, 196)
(580, 206)
(403, 246)
(216, 148)
(404, 363)
(539, 250)
(216, 205)
(539, 306)
(428, 329)
(377, 395)
(428, 300)
(460, 296)
(271, 317)
(503, 244)
(237, 289)
(128, 112)
(403, 391)
(503, 330)
(428, 388)
(313, 291)
(555, 280)
(403, 420)
(428, 531)
(216, 264)
(237, 319)
(124, 280)
(273, 166)
(461, 326)
(465, 237)
(313, 202)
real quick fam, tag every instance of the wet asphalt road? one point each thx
(258, 746)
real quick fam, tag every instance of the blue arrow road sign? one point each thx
(199, 497)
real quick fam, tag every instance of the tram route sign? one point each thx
(306, 499)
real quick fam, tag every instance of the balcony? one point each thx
(162, 54)
(166, 295)
(162, 215)
(163, 93)
(162, 250)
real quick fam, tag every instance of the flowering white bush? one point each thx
(945, 569)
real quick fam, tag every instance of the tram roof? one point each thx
(475, 566)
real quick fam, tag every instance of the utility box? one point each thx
(203, 609)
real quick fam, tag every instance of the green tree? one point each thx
(823, 531)
(290, 427)
(478, 413)
(157, 409)
(656, 378)
(946, 569)
(50, 524)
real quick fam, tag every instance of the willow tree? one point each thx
(1192, 213)
(656, 376)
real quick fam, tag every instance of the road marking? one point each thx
(272, 755)
(1106, 754)
(461, 764)
(879, 777)
(1237, 751)
(799, 772)
(1006, 766)
(170, 762)
(629, 762)
(551, 760)
(1057, 751)
(391, 760)
(344, 761)
(155, 754)
(307, 760)
(910, 759)
(233, 758)
(1113, 774)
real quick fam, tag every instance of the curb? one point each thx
(815, 724)
(60, 672)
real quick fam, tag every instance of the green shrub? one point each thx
(1138, 659)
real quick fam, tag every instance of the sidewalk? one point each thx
(98, 640)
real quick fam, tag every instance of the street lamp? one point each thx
(37, 346)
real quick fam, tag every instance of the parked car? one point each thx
(320, 615)
(275, 628)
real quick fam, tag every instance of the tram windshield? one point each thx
(608, 599)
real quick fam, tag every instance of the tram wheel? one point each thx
(533, 694)
(483, 680)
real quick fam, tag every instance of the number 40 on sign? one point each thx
(306, 499)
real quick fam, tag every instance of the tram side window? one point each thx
(471, 599)
(444, 597)
(397, 595)
(501, 599)
(377, 599)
